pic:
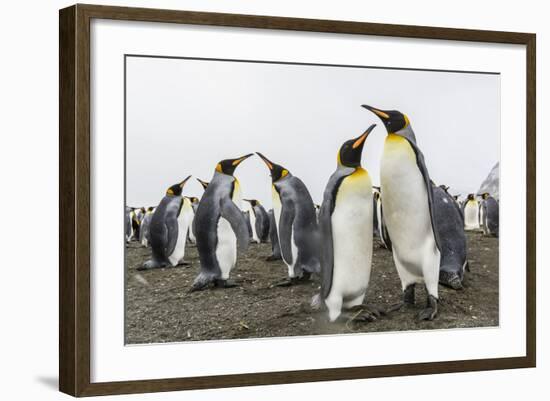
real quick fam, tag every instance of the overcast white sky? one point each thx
(183, 116)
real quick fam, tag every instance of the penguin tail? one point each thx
(451, 280)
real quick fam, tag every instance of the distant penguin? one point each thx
(259, 221)
(296, 223)
(317, 210)
(203, 183)
(128, 226)
(168, 228)
(246, 214)
(382, 229)
(135, 223)
(220, 226)
(407, 201)
(346, 227)
(273, 238)
(144, 231)
(489, 211)
(375, 196)
(452, 239)
(191, 233)
(470, 210)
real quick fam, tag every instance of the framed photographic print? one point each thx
(250, 200)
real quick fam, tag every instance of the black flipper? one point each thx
(234, 216)
(285, 230)
(172, 231)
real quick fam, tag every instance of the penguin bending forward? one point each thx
(296, 224)
(219, 226)
(168, 229)
(407, 201)
(346, 227)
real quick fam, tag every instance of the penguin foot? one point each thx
(220, 283)
(430, 312)
(150, 264)
(183, 263)
(287, 282)
(272, 258)
(361, 313)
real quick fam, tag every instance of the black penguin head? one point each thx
(203, 183)
(175, 190)
(253, 202)
(444, 187)
(228, 166)
(277, 171)
(150, 208)
(485, 195)
(393, 120)
(350, 152)
(471, 197)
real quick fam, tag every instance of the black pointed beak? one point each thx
(360, 140)
(268, 162)
(380, 113)
(184, 181)
(239, 160)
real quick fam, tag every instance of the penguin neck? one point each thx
(406, 132)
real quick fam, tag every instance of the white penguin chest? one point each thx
(471, 216)
(253, 225)
(352, 221)
(405, 201)
(183, 221)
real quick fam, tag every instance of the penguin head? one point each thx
(444, 187)
(485, 195)
(253, 202)
(393, 120)
(228, 166)
(471, 197)
(193, 199)
(175, 190)
(277, 171)
(150, 209)
(350, 152)
(203, 183)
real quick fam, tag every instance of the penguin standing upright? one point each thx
(407, 201)
(273, 238)
(128, 228)
(452, 239)
(259, 221)
(375, 197)
(219, 226)
(470, 210)
(194, 204)
(489, 215)
(346, 227)
(382, 229)
(144, 231)
(296, 223)
(168, 229)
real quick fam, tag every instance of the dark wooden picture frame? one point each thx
(74, 199)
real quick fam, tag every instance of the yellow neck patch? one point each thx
(219, 168)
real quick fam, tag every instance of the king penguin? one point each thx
(407, 201)
(219, 226)
(450, 226)
(296, 222)
(489, 215)
(346, 227)
(273, 238)
(144, 236)
(470, 210)
(128, 228)
(194, 204)
(168, 228)
(259, 221)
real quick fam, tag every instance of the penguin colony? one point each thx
(419, 222)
